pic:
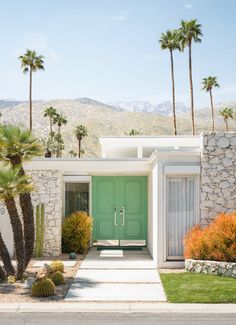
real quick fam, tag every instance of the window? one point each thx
(76, 197)
(182, 212)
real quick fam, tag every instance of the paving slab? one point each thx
(117, 276)
(116, 292)
(66, 263)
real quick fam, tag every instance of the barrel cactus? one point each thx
(43, 288)
(72, 256)
(57, 266)
(57, 278)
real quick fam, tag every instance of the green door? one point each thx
(119, 207)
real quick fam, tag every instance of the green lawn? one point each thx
(198, 288)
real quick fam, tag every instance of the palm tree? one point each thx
(190, 31)
(133, 132)
(208, 84)
(60, 120)
(16, 146)
(170, 41)
(227, 113)
(72, 153)
(80, 132)
(51, 113)
(11, 185)
(31, 62)
(6, 259)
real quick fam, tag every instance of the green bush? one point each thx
(76, 231)
(56, 266)
(57, 278)
(43, 288)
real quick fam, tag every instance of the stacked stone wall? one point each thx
(218, 174)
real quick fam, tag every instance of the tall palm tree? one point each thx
(190, 31)
(51, 113)
(31, 62)
(80, 132)
(208, 84)
(170, 41)
(11, 185)
(227, 113)
(60, 120)
(16, 146)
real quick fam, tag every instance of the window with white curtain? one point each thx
(182, 212)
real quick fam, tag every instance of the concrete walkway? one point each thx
(111, 276)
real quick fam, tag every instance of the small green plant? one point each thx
(43, 288)
(40, 216)
(57, 278)
(57, 266)
(72, 256)
(76, 231)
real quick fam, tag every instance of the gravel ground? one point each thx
(14, 293)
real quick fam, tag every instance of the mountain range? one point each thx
(112, 119)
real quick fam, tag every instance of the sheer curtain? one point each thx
(181, 212)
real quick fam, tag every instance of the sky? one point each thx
(108, 49)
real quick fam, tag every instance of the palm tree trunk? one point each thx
(28, 218)
(6, 258)
(50, 118)
(226, 124)
(79, 147)
(30, 99)
(17, 235)
(191, 87)
(2, 274)
(173, 91)
(212, 112)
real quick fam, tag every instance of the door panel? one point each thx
(104, 203)
(120, 207)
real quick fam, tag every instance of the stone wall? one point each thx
(218, 174)
(48, 185)
(211, 267)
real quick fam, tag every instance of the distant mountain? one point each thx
(6, 103)
(164, 108)
(104, 120)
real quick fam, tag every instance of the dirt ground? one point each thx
(15, 293)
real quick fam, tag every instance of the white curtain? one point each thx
(181, 212)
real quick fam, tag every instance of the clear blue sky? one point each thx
(108, 49)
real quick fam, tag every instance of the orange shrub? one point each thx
(215, 242)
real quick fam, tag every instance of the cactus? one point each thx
(40, 215)
(43, 288)
(57, 266)
(57, 278)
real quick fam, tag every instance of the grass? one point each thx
(198, 288)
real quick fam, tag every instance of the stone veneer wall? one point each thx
(218, 174)
(48, 185)
(211, 267)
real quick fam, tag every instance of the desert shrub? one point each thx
(43, 288)
(215, 242)
(57, 278)
(56, 266)
(76, 230)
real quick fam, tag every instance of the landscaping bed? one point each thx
(198, 288)
(15, 293)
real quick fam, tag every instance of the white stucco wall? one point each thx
(6, 229)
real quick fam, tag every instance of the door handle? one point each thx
(115, 222)
(122, 214)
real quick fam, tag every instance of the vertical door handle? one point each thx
(122, 214)
(115, 222)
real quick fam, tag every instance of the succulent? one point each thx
(57, 278)
(43, 288)
(57, 266)
(72, 256)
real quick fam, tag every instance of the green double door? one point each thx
(119, 207)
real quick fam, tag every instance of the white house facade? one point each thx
(146, 191)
